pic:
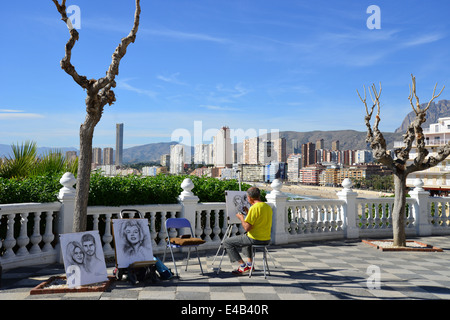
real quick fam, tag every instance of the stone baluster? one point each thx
(48, 234)
(163, 232)
(216, 229)
(107, 236)
(153, 233)
(208, 229)
(23, 240)
(95, 220)
(36, 237)
(9, 241)
(198, 224)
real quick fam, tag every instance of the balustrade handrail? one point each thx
(28, 207)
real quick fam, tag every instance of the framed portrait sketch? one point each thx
(132, 241)
(235, 202)
(84, 261)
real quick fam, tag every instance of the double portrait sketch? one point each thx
(132, 241)
(236, 201)
(83, 257)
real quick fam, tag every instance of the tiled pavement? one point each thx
(307, 270)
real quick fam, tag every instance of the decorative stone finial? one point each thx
(276, 185)
(68, 181)
(418, 184)
(187, 187)
(347, 184)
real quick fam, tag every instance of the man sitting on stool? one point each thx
(257, 224)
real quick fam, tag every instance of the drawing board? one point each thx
(235, 202)
(132, 241)
(84, 261)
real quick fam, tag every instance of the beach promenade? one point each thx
(322, 192)
(322, 270)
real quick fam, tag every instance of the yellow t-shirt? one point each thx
(260, 217)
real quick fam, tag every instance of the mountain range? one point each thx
(348, 139)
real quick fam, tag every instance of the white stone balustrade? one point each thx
(23, 243)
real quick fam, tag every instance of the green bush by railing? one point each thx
(116, 191)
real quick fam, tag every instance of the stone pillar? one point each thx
(189, 201)
(278, 201)
(65, 219)
(349, 216)
(67, 197)
(423, 226)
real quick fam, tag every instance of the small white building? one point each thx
(436, 179)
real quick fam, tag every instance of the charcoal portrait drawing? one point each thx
(132, 241)
(83, 257)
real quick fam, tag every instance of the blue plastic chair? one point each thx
(178, 223)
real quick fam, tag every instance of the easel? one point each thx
(226, 236)
(227, 233)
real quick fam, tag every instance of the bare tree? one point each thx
(400, 165)
(98, 93)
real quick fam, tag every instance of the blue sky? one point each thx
(247, 64)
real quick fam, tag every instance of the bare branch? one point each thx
(415, 132)
(434, 96)
(66, 65)
(375, 137)
(412, 91)
(119, 53)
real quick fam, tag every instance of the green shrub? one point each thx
(35, 189)
(117, 191)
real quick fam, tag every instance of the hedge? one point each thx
(117, 191)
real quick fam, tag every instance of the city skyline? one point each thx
(290, 66)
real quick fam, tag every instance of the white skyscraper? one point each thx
(176, 159)
(223, 152)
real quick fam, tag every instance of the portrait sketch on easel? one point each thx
(83, 257)
(236, 201)
(132, 241)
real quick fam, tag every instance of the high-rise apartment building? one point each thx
(294, 164)
(223, 152)
(308, 154)
(165, 160)
(108, 156)
(320, 144)
(203, 154)
(273, 150)
(335, 145)
(119, 144)
(177, 159)
(97, 156)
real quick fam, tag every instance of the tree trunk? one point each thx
(84, 175)
(399, 211)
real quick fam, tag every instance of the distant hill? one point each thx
(348, 139)
(6, 151)
(436, 111)
(147, 152)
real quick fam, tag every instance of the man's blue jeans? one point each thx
(233, 244)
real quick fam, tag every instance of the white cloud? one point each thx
(10, 114)
(123, 84)
(173, 78)
(425, 39)
(181, 35)
(218, 108)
